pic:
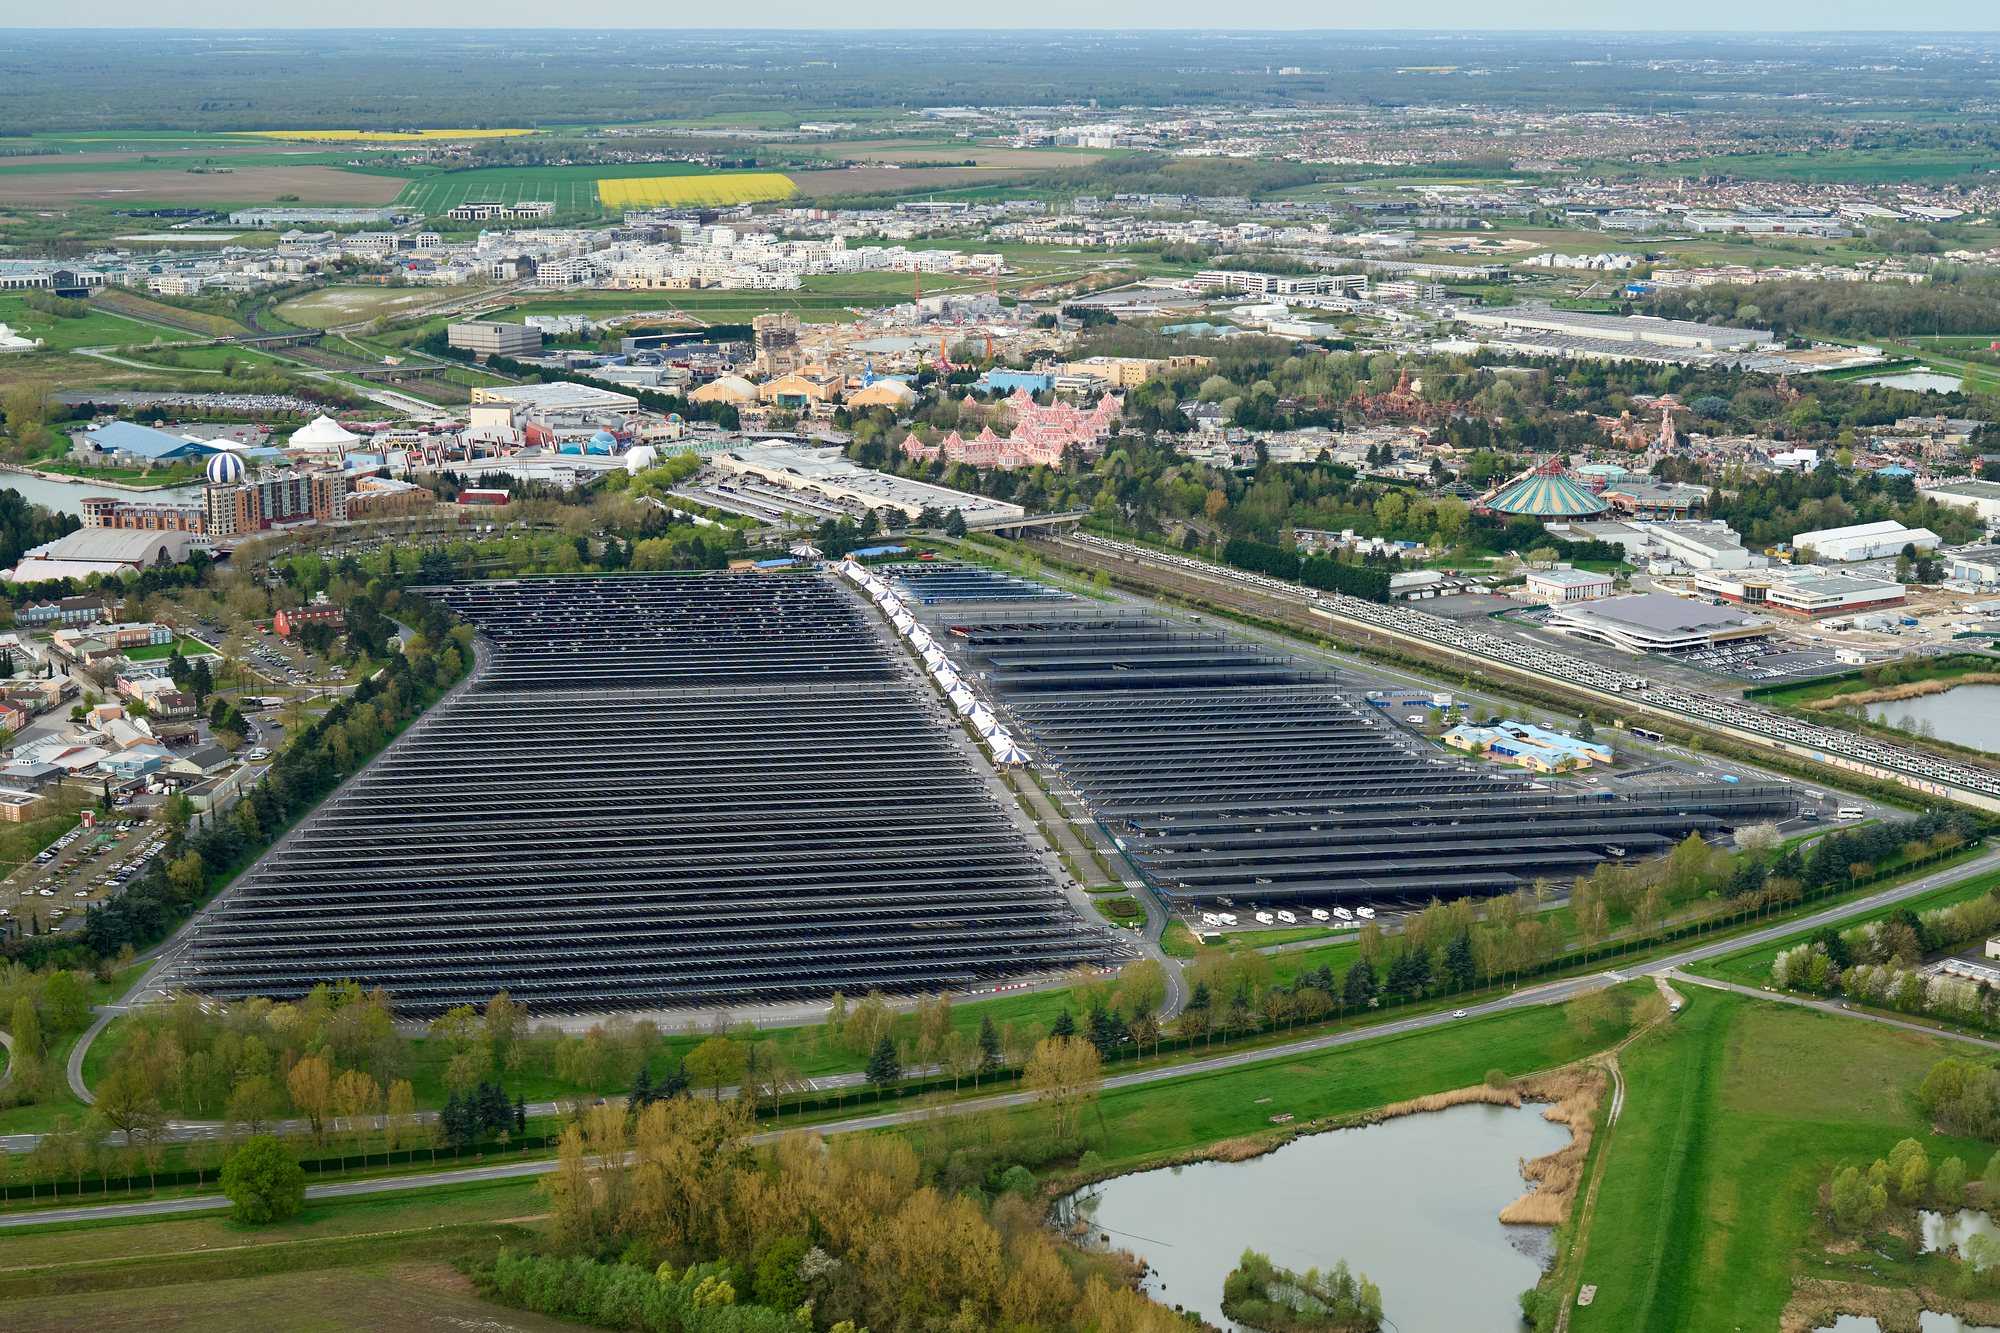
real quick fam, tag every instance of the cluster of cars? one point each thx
(1416, 624)
(49, 887)
(1283, 916)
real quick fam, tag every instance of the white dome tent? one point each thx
(323, 437)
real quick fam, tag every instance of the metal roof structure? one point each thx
(665, 792)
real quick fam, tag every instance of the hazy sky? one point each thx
(1773, 16)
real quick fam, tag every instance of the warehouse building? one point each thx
(1655, 622)
(1804, 592)
(1619, 328)
(1563, 584)
(1982, 496)
(1865, 541)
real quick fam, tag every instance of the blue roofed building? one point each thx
(128, 444)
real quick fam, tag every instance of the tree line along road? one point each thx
(1552, 993)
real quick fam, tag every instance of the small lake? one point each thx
(1967, 715)
(1924, 381)
(1413, 1203)
(67, 497)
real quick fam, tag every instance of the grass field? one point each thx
(1146, 1121)
(349, 305)
(98, 328)
(1732, 1116)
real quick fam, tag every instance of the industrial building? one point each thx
(1982, 496)
(492, 337)
(1618, 328)
(1563, 584)
(1865, 541)
(1802, 591)
(665, 792)
(1655, 622)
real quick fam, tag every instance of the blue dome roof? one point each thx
(1542, 496)
(223, 469)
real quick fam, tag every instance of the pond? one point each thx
(1924, 381)
(1968, 715)
(1943, 1231)
(1405, 1202)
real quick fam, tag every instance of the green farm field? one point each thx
(571, 189)
(1733, 1115)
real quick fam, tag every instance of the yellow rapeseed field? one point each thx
(685, 191)
(379, 136)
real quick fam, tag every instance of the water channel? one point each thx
(1413, 1203)
(1929, 1321)
(1968, 715)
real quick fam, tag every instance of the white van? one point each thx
(1288, 918)
(1265, 918)
(1365, 913)
(1343, 914)
(1849, 812)
(1228, 918)
(1319, 914)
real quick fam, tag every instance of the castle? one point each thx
(1039, 437)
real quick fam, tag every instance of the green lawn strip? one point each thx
(153, 651)
(52, 1243)
(479, 1240)
(1752, 967)
(1153, 1119)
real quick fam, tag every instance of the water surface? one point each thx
(1966, 715)
(1413, 1203)
(1926, 381)
(67, 497)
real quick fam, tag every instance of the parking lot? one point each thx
(82, 867)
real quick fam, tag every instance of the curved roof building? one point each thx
(1547, 495)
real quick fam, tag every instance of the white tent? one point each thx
(985, 723)
(934, 660)
(947, 679)
(323, 437)
(1010, 754)
(961, 699)
(901, 620)
(806, 550)
(921, 637)
(1000, 739)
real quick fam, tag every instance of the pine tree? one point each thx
(1201, 999)
(1458, 960)
(1360, 985)
(642, 1089)
(1106, 1031)
(1064, 1026)
(989, 1042)
(954, 524)
(883, 1067)
(520, 1115)
(673, 1083)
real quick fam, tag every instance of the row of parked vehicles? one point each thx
(1282, 917)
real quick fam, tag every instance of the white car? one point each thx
(1458, 1013)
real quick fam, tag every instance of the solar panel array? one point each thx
(1232, 770)
(666, 791)
(946, 581)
